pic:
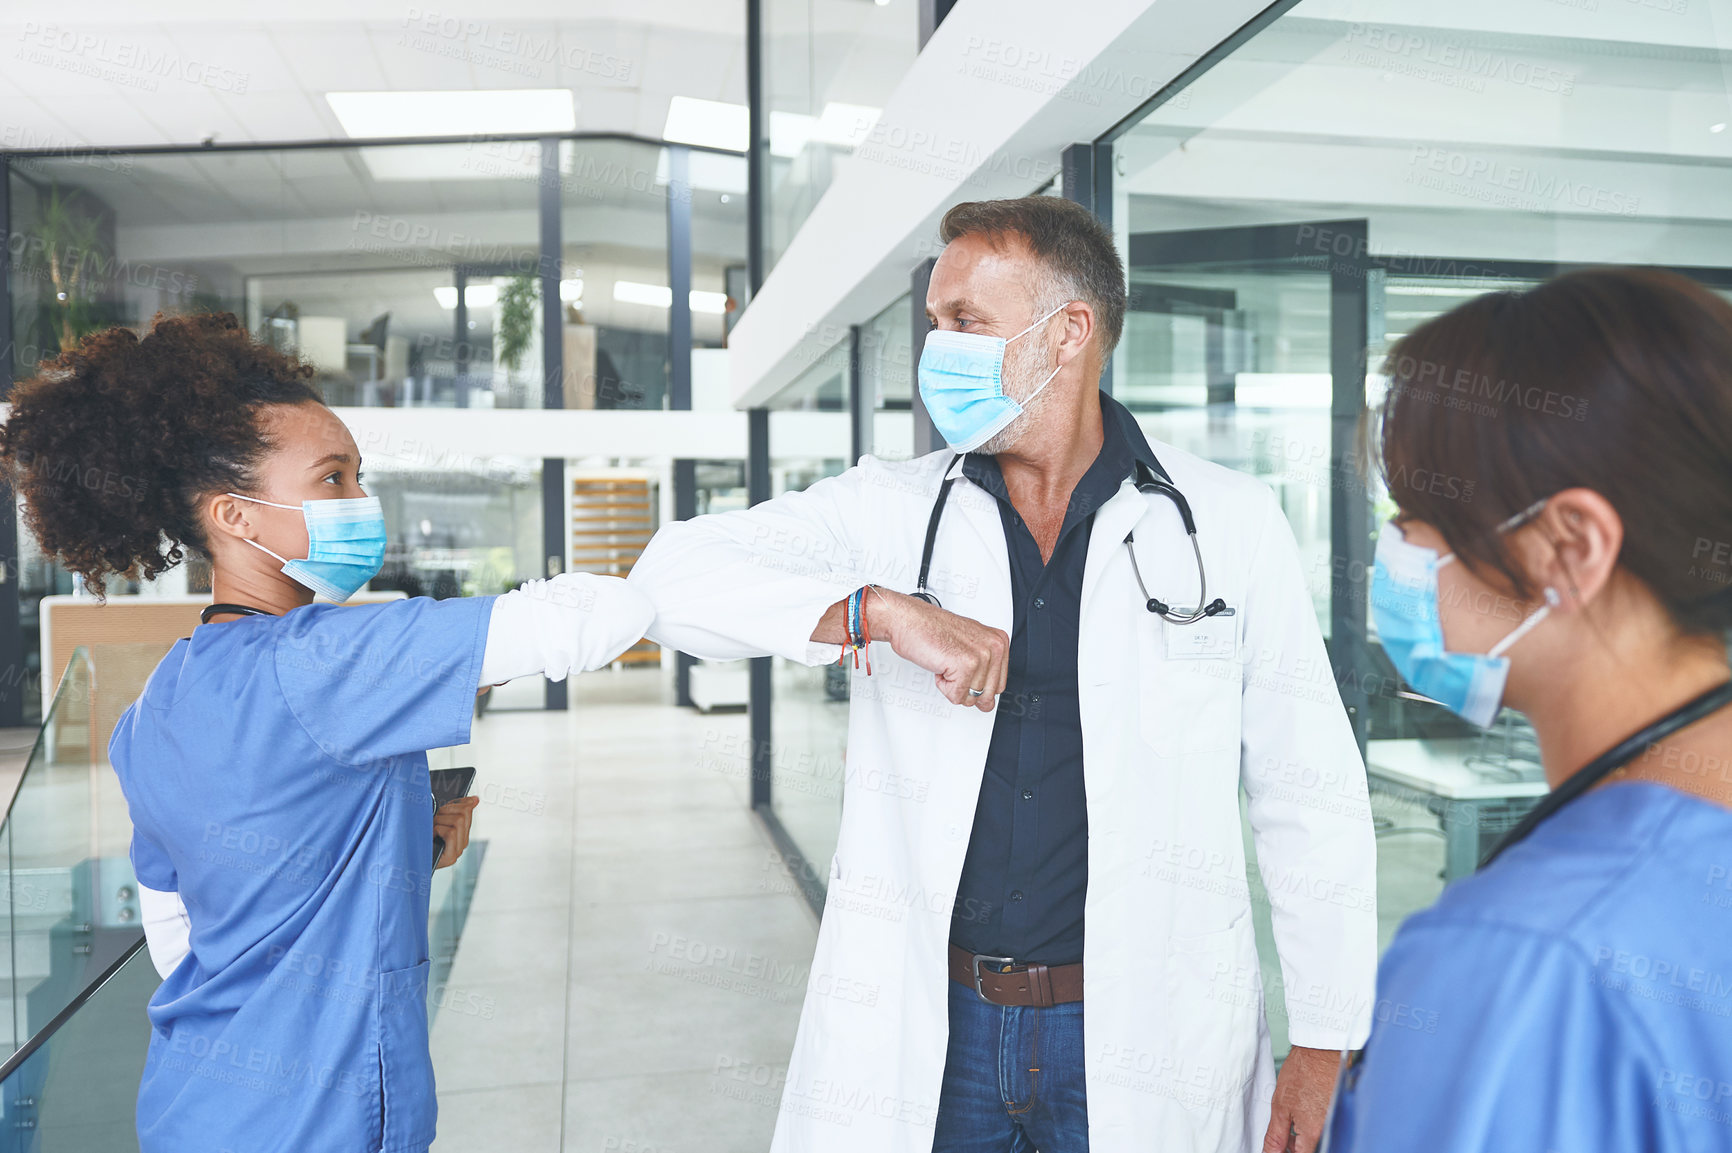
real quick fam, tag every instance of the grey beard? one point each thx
(1027, 367)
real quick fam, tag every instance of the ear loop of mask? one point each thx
(1025, 401)
(1038, 323)
(1553, 599)
(1522, 630)
(273, 504)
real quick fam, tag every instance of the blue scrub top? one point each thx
(276, 773)
(1575, 996)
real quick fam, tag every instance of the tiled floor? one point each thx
(631, 973)
(630, 977)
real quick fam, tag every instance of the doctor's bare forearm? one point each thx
(882, 612)
(832, 629)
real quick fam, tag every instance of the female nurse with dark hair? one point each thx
(1576, 993)
(275, 765)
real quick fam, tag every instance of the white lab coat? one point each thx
(1175, 718)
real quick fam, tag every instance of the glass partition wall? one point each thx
(409, 275)
(353, 258)
(809, 440)
(1424, 156)
(829, 66)
(406, 274)
(852, 398)
(886, 365)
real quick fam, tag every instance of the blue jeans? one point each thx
(1013, 1079)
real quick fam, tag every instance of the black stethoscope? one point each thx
(1612, 760)
(225, 609)
(1147, 482)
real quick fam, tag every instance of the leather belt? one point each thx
(1003, 981)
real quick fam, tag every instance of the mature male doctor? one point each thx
(1056, 915)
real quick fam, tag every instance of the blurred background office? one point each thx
(569, 271)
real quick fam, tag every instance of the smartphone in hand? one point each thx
(448, 785)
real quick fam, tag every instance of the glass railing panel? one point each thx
(12, 893)
(71, 901)
(77, 1090)
(68, 898)
(453, 893)
(52, 931)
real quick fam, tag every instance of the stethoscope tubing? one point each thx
(1610, 761)
(1147, 482)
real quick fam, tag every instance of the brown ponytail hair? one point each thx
(1614, 379)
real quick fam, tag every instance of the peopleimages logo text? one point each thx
(1511, 185)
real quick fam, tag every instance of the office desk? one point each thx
(1476, 804)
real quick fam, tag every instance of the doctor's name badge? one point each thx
(1210, 638)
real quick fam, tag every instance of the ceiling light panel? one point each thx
(367, 115)
(711, 123)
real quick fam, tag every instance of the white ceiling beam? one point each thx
(986, 109)
(466, 439)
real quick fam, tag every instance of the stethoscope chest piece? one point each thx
(1149, 483)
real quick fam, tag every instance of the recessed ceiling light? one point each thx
(505, 112)
(1449, 289)
(846, 124)
(843, 125)
(790, 132)
(474, 296)
(661, 296)
(712, 123)
(634, 292)
(1721, 127)
(487, 295)
(709, 170)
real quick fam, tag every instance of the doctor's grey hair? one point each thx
(1068, 241)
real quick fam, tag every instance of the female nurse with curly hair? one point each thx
(275, 764)
(1576, 993)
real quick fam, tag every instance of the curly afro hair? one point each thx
(113, 443)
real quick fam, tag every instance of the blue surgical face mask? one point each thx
(345, 544)
(1404, 605)
(962, 384)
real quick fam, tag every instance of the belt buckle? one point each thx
(975, 966)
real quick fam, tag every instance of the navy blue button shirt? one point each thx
(1026, 873)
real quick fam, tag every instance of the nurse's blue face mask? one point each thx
(345, 544)
(962, 384)
(1404, 604)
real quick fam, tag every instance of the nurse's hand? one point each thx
(1302, 1092)
(451, 821)
(960, 652)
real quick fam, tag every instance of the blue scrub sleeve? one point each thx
(1489, 1037)
(150, 864)
(375, 681)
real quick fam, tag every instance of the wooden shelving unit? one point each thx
(612, 519)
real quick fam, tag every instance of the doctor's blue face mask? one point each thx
(345, 544)
(962, 384)
(1404, 605)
